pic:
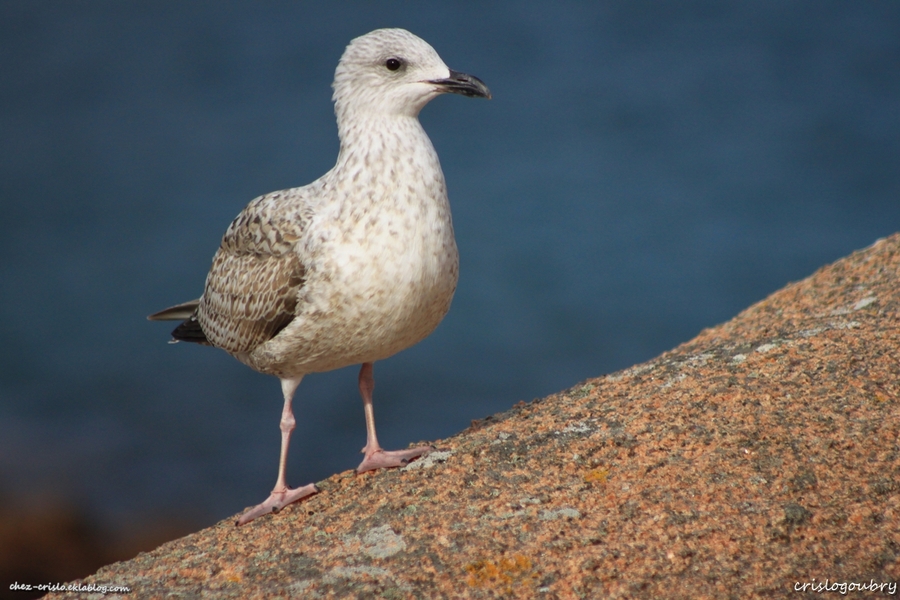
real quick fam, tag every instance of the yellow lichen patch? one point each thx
(505, 573)
(880, 397)
(598, 475)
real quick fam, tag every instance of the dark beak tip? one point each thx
(467, 85)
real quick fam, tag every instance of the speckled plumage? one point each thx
(354, 267)
(357, 265)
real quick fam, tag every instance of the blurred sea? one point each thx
(645, 170)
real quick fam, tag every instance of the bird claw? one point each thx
(385, 459)
(276, 501)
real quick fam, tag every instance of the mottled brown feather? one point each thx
(252, 288)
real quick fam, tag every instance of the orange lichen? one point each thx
(504, 574)
(598, 475)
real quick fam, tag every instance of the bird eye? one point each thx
(392, 64)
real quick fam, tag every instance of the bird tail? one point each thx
(179, 312)
(189, 330)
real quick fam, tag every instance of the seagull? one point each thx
(352, 268)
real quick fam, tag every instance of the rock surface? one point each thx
(761, 456)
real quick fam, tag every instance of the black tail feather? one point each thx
(190, 331)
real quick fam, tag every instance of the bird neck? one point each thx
(379, 139)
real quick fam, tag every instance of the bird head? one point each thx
(393, 72)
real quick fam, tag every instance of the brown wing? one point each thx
(252, 288)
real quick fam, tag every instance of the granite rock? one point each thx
(758, 458)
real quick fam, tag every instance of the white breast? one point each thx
(381, 259)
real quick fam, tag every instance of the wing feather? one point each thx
(253, 286)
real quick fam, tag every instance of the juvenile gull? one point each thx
(355, 266)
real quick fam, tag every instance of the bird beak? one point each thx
(460, 83)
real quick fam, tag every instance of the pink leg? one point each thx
(376, 458)
(281, 495)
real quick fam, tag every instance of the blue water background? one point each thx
(645, 170)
